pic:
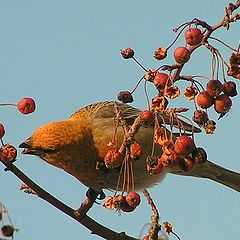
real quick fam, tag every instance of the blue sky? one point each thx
(65, 54)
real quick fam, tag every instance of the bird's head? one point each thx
(53, 139)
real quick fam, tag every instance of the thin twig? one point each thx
(155, 226)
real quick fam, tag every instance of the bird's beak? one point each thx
(27, 148)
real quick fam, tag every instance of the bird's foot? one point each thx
(93, 194)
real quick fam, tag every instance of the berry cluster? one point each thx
(215, 92)
(123, 159)
(114, 158)
(218, 95)
(182, 153)
(178, 150)
(123, 203)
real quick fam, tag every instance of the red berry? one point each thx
(204, 100)
(222, 103)
(127, 53)
(161, 80)
(26, 105)
(113, 159)
(193, 36)
(8, 153)
(136, 151)
(184, 145)
(2, 130)
(214, 88)
(133, 199)
(181, 55)
(7, 230)
(187, 164)
(230, 89)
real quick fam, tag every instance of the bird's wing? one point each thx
(106, 110)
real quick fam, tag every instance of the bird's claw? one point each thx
(92, 194)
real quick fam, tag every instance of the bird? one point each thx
(79, 142)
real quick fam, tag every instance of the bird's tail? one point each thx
(222, 175)
(217, 173)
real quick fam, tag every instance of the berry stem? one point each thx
(219, 54)
(182, 25)
(213, 64)
(139, 64)
(179, 124)
(226, 45)
(132, 176)
(7, 104)
(146, 94)
(176, 235)
(124, 188)
(217, 63)
(119, 178)
(188, 119)
(194, 81)
(195, 103)
(200, 76)
(4, 210)
(128, 174)
(223, 72)
(139, 81)
(175, 30)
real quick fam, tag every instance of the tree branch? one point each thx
(155, 227)
(82, 218)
